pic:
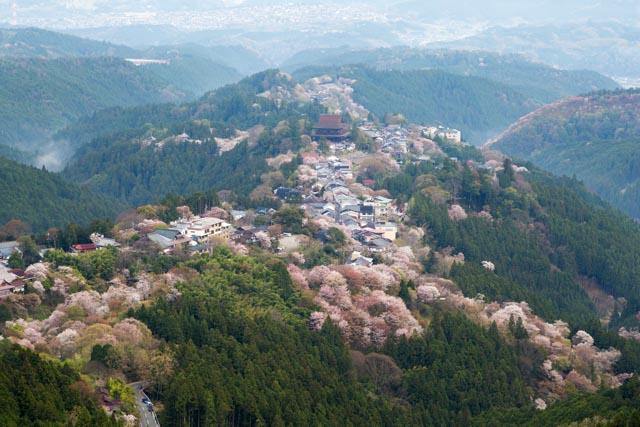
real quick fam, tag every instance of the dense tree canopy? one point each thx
(43, 199)
(594, 137)
(38, 392)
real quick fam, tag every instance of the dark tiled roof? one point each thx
(330, 121)
(84, 247)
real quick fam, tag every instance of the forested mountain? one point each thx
(534, 80)
(39, 43)
(477, 106)
(239, 58)
(488, 305)
(38, 96)
(44, 44)
(544, 236)
(260, 338)
(191, 73)
(42, 199)
(128, 166)
(35, 391)
(193, 69)
(594, 137)
(14, 154)
(51, 79)
(618, 407)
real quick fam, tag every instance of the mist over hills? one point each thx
(39, 97)
(51, 79)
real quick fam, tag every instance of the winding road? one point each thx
(147, 418)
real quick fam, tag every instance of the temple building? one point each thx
(332, 128)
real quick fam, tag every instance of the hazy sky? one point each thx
(495, 11)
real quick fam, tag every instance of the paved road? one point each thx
(147, 419)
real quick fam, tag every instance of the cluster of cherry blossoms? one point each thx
(572, 362)
(355, 298)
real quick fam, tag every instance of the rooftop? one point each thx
(331, 121)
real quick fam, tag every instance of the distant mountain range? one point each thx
(47, 97)
(538, 81)
(540, 11)
(50, 79)
(39, 43)
(595, 137)
(258, 45)
(611, 48)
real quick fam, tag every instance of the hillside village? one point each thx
(332, 202)
(297, 213)
(328, 192)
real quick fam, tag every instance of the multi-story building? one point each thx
(201, 229)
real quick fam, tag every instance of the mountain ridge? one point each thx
(596, 137)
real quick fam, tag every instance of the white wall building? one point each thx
(203, 228)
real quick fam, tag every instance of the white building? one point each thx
(453, 135)
(203, 228)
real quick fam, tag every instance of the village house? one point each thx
(388, 230)
(381, 207)
(7, 289)
(167, 239)
(246, 237)
(351, 211)
(288, 194)
(379, 245)
(8, 248)
(238, 215)
(451, 135)
(10, 283)
(103, 242)
(367, 212)
(430, 132)
(357, 259)
(83, 247)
